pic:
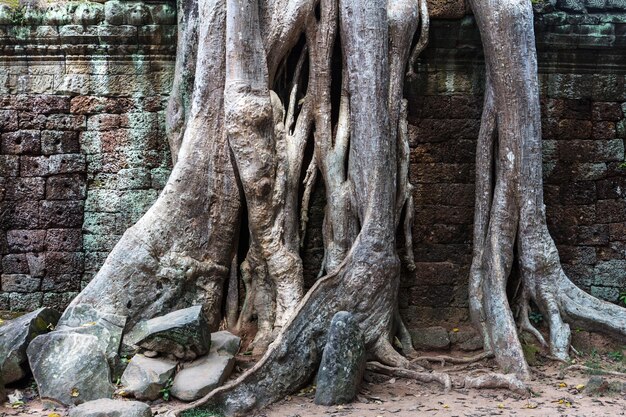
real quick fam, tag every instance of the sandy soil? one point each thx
(385, 396)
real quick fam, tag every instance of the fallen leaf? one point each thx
(580, 387)
(455, 330)
(54, 415)
(91, 323)
(562, 385)
(531, 406)
(74, 392)
(500, 405)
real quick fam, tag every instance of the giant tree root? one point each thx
(591, 371)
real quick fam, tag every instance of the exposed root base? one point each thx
(443, 359)
(590, 370)
(441, 378)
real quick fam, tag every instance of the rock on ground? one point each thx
(343, 362)
(70, 367)
(111, 408)
(184, 333)
(225, 343)
(599, 386)
(200, 377)
(430, 338)
(15, 337)
(144, 378)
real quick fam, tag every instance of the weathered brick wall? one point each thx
(90, 91)
(582, 68)
(83, 154)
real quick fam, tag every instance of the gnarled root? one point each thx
(495, 380)
(441, 378)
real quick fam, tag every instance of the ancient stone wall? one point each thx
(82, 93)
(83, 154)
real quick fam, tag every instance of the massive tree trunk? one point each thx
(260, 82)
(510, 214)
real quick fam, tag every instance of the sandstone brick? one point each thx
(94, 104)
(64, 262)
(46, 104)
(441, 173)
(64, 240)
(9, 165)
(98, 223)
(611, 211)
(603, 130)
(26, 240)
(577, 254)
(22, 189)
(14, 264)
(574, 129)
(61, 282)
(20, 283)
(61, 214)
(610, 273)
(102, 122)
(36, 264)
(58, 301)
(606, 111)
(67, 164)
(591, 150)
(33, 121)
(578, 192)
(133, 179)
(100, 243)
(66, 122)
(59, 142)
(94, 260)
(20, 214)
(134, 203)
(103, 201)
(611, 188)
(21, 142)
(573, 215)
(34, 166)
(8, 120)
(66, 187)
(25, 302)
(617, 231)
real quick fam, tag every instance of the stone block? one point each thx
(611, 211)
(66, 164)
(608, 111)
(66, 122)
(66, 187)
(111, 408)
(133, 179)
(21, 189)
(603, 130)
(202, 376)
(36, 264)
(22, 241)
(8, 120)
(59, 142)
(21, 142)
(145, 378)
(446, 9)
(100, 122)
(430, 338)
(61, 283)
(47, 104)
(34, 166)
(103, 201)
(64, 240)
(20, 283)
(9, 165)
(65, 262)
(33, 121)
(25, 302)
(61, 214)
(14, 264)
(20, 215)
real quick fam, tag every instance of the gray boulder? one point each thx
(343, 362)
(182, 333)
(202, 376)
(108, 328)
(111, 408)
(144, 378)
(15, 336)
(69, 367)
(225, 343)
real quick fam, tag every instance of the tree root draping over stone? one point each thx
(273, 95)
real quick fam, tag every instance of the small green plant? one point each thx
(617, 355)
(535, 317)
(622, 297)
(622, 165)
(165, 392)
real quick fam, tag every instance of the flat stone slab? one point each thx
(430, 338)
(225, 343)
(15, 337)
(69, 367)
(111, 408)
(183, 333)
(343, 362)
(200, 377)
(144, 378)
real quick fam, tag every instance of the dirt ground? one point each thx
(554, 395)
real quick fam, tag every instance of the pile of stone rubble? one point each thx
(76, 358)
